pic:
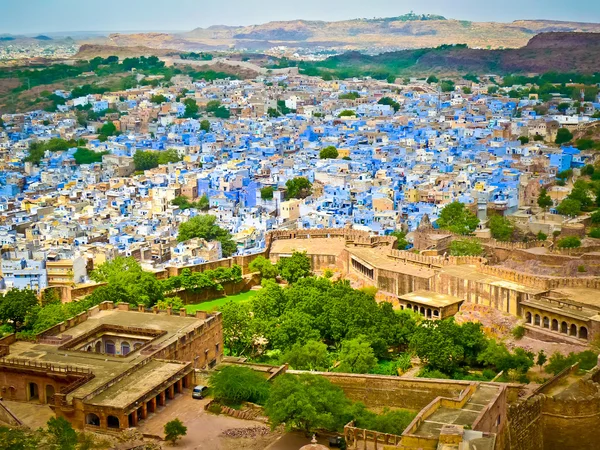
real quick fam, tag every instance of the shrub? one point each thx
(518, 332)
(569, 242)
(542, 236)
(174, 430)
(239, 384)
(581, 268)
(595, 233)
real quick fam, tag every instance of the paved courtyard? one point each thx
(203, 429)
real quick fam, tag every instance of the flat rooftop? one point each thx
(469, 272)
(106, 367)
(581, 296)
(424, 297)
(378, 258)
(315, 246)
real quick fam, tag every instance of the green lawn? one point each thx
(216, 304)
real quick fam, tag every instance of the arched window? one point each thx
(573, 330)
(34, 393)
(564, 328)
(546, 322)
(93, 419)
(536, 320)
(554, 325)
(125, 349)
(428, 312)
(109, 347)
(583, 334)
(112, 422)
(528, 317)
(436, 313)
(422, 310)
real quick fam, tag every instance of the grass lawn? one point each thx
(216, 304)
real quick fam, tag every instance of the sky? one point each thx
(36, 16)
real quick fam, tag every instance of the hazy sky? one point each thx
(32, 16)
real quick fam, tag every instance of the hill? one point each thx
(402, 32)
(560, 52)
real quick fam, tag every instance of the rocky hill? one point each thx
(409, 31)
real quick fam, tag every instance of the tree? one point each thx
(401, 242)
(563, 135)
(357, 356)
(267, 269)
(569, 242)
(298, 187)
(455, 217)
(222, 113)
(541, 359)
(62, 433)
(580, 193)
(329, 153)
(205, 227)
(391, 102)
(266, 193)
(168, 156)
(501, 228)
(174, 430)
(432, 79)
(205, 125)
(544, 200)
(347, 113)
(524, 140)
(145, 160)
(310, 356)
(128, 283)
(569, 207)
(436, 348)
(307, 402)
(466, 247)
(233, 385)
(191, 108)
(595, 217)
(541, 236)
(294, 267)
(15, 305)
(108, 129)
(204, 203)
(237, 327)
(158, 99)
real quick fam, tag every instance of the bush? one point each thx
(239, 384)
(542, 236)
(518, 332)
(595, 233)
(466, 247)
(569, 242)
(329, 153)
(581, 269)
(174, 430)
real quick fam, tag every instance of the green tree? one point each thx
(501, 228)
(237, 327)
(569, 207)
(307, 402)
(563, 136)
(222, 113)
(62, 433)
(455, 217)
(174, 430)
(541, 359)
(311, 356)
(436, 348)
(267, 269)
(205, 125)
(168, 156)
(191, 108)
(294, 267)
(391, 102)
(298, 187)
(432, 79)
(329, 153)
(234, 384)
(595, 217)
(401, 242)
(544, 200)
(212, 106)
(108, 129)
(158, 99)
(15, 305)
(205, 227)
(266, 193)
(524, 140)
(204, 203)
(357, 356)
(580, 193)
(128, 283)
(145, 160)
(569, 242)
(347, 113)
(466, 247)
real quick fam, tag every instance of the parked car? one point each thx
(199, 392)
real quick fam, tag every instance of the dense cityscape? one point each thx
(300, 247)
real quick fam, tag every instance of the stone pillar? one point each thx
(183, 312)
(134, 418)
(144, 414)
(152, 405)
(365, 447)
(171, 392)
(180, 386)
(162, 398)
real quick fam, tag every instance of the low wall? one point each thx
(378, 391)
(7, 417)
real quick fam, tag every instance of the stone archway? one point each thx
(546, 322)
(528, 317)
(583, 333)
(112, 422)
(536, 320)
(93, 419)
(554, 325)
(573, 330)
(564, 328)
(33, 392)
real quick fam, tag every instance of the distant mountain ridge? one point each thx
(402, 32)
